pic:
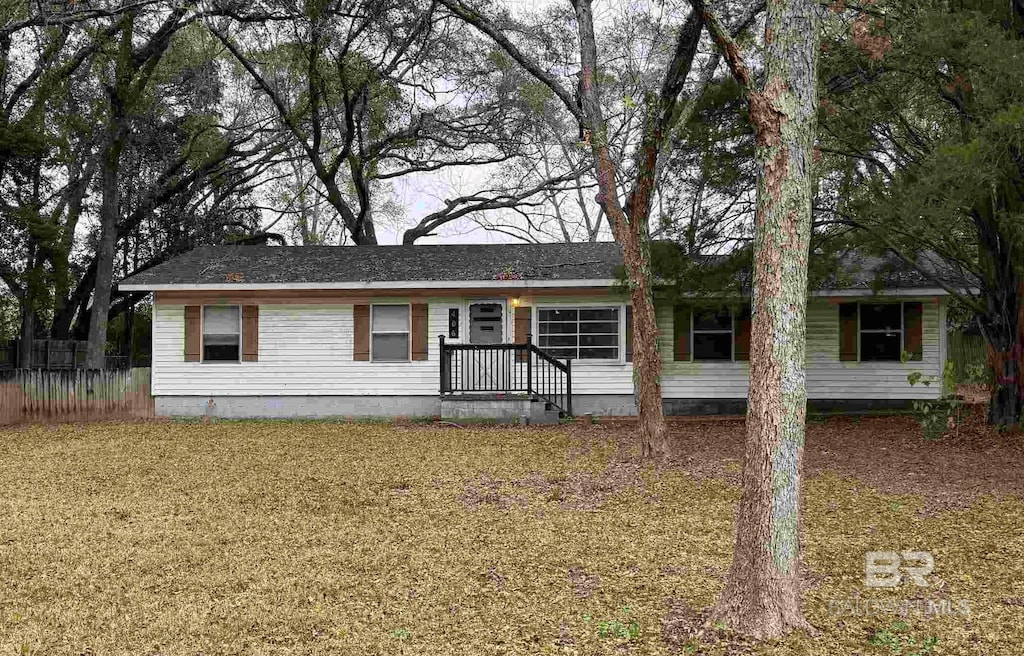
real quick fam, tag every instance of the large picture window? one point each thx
(580, 333)
(881, 331)
(712, 334)
(222, 333)
(389, 333)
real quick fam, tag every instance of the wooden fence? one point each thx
(52, 354)
(967, 351)
(33, 395)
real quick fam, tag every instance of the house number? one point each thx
(453, 323)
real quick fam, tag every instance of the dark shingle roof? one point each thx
(859, 271)
(340, 264)
(311, 265)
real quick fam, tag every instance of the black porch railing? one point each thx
(507, 368)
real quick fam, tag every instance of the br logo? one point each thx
(885, 569)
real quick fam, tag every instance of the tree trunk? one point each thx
(1004, 334)
(28, 333)
(109, 213)
(762, 596)
(631, 233)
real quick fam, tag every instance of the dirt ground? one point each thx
(341, 538)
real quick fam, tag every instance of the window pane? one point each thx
(880, 346)
(220, 352)
(599, 353)
(391, 347)
(390, 318)
(712, 346)
(599, 340)
(719, 319)
(881, 316)
(545, 328)
(600, 314)
(556, 340)
(221, 340)
(562, 353)
(558, 315)
(600, 327)
(219, 320)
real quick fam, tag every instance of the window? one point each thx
(222, 333)
(712, 334)
(881, 331)
(389, 333)
(579, 333)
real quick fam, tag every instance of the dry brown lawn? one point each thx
(329, 538)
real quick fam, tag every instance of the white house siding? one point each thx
(827, 377)
(304, 350)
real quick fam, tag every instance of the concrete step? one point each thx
(503, 408)
(543, 413)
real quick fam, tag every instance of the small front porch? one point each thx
(504, 381)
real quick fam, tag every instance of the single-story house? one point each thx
(494, 330)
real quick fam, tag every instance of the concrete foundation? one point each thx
(604, 405)
(297, 407)
(684, 407)
(503, 408)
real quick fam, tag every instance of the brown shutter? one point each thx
(913, 330)
(629, 333)
(193, 333)
(250, 333)
(361, 332)
(848, 332)
(522, 327)
(419, 331)
(681, 330)
(741, 334)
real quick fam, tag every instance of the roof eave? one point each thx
(384, 284)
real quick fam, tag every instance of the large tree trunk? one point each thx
(762, 596)
(61, 258)
(1004, 332)
(28, 333)
(109, 212)
(631, 233)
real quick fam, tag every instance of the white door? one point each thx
(485, 368)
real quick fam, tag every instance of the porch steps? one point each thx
(506, 408)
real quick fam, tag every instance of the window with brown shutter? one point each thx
(250, 333)
(361, 332)
(681, 333)
(848, 332)
(419, 331)
(193, 333)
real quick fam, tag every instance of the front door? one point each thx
(486, 326)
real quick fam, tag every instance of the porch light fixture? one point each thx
(515, 302)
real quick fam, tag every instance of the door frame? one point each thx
(464, 330)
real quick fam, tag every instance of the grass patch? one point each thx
(323, 537)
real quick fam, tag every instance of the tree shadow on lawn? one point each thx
(887, 454)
